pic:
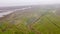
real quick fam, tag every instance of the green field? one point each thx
(49, 23)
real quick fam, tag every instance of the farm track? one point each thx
(33, 22)
(53, 22)
(38, 19)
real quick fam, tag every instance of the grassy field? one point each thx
(30, 23)
(49, 24)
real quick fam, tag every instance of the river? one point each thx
(11, 11)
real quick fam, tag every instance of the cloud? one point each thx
(27, 2)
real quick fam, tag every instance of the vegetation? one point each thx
(30, 23)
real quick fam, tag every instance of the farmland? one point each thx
(36, 20)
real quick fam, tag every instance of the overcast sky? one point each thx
(27, 2)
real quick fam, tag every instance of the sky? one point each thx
(27, 2)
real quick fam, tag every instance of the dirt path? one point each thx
(35, 21)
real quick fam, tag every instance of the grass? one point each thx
(48, 24)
